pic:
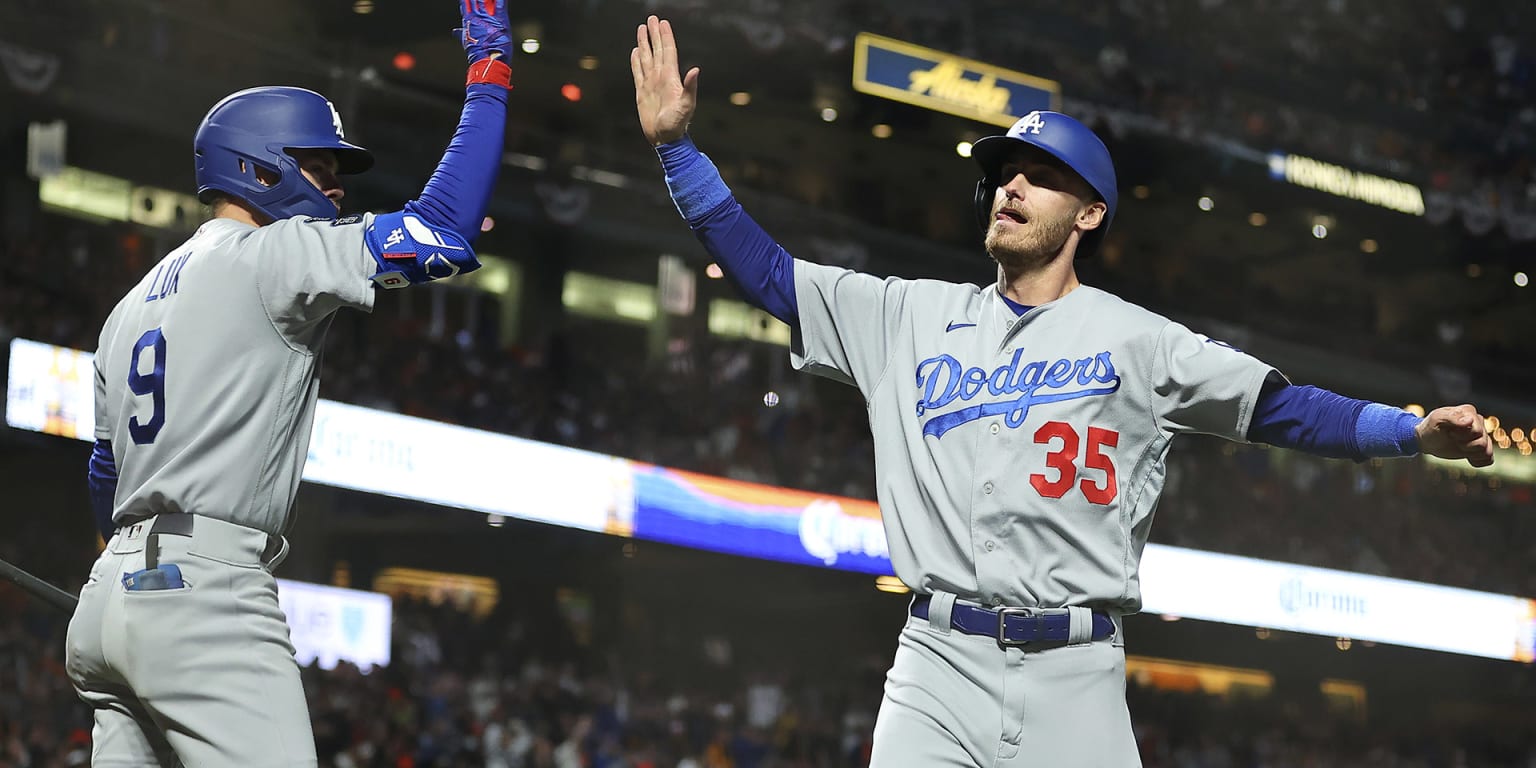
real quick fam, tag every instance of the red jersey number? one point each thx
(1063, 462)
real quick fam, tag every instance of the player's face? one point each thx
(319, 167)
(1038, 204)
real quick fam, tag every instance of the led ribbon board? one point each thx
(1342, 182)
(331, 624)
(377, 452)
(51, 390)
(923, 77)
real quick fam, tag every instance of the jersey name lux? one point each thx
(943, 379)
(167, 279)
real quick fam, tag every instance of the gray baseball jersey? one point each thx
(1019, 460)
(206, 371)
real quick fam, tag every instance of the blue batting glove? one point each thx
(486, 32)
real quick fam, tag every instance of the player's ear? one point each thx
(1092, 216)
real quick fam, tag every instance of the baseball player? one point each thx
(206, 378)
(1020, 433)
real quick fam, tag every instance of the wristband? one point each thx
(490, 71)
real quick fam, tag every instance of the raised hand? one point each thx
(486, 31)
(664, 100)
(1456, 432)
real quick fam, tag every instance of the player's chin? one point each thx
(1009, 249)
(1000, 244)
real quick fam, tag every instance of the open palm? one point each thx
(664, 101)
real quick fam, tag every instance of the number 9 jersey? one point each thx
(206, 372)
(1019, 459)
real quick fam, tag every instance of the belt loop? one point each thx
(151, 550)
(278, 546)
(941, 608)
(1079, 624)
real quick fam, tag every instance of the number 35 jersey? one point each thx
(1018, 460)
(206, 372)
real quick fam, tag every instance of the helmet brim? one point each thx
(989, 152)
(350, 158)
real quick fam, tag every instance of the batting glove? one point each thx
(486, 32)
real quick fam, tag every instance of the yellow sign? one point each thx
(923, 77)
(1343, 182)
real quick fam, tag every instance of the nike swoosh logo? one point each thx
(953, 326)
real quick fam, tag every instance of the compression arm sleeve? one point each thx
(101, 481)
(760, 269)
(1323, 423)
(456, 196)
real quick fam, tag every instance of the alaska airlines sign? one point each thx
(935, 80)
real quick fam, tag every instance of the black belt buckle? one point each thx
(1002, 626)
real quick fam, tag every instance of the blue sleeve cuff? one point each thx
(693, 180)
(1384, 431)
(101, 480)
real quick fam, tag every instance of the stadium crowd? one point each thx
(1438, 94)
(462, 692)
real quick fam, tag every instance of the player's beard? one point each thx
(1030, 246)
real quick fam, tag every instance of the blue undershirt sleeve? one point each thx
(1323, 423)
(101, 481)
(460, 189)
(760, 269)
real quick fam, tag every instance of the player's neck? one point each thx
(238, 210)
(1040, 285)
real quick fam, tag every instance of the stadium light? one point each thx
(1205, 203)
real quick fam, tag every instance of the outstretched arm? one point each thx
(1323, 423)
(760, 269)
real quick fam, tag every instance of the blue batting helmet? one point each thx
(254, 129)
(1068, 141)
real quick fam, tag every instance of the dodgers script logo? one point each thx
(942, 380)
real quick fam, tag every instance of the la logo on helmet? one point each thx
(336, 121)
(1032, 123)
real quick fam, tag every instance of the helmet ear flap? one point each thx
(986, 189)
